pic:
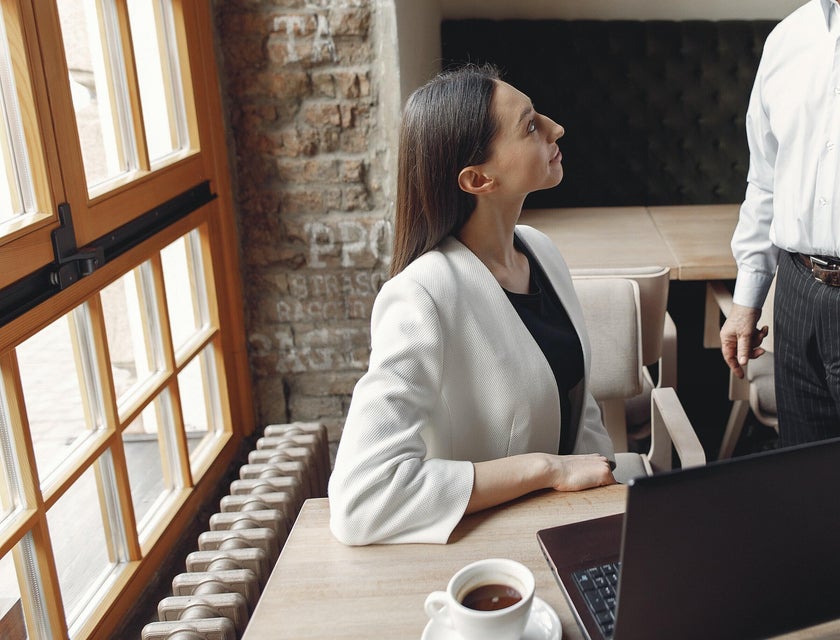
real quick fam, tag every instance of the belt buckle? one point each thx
(825, 271)
(822, 262)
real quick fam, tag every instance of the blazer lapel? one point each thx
(532, 380)
(557, 271)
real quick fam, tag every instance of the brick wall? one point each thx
(310, 147)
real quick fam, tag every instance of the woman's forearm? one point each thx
(499, 481)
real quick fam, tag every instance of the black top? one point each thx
(549, 324)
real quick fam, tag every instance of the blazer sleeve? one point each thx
(382, 489)
(592, 436)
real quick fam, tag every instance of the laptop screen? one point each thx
(742, 548)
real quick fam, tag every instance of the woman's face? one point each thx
(524, 155)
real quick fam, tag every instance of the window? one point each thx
(27, 201)
(123, 382)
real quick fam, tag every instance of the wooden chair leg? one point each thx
(734, 425)
(718, 299)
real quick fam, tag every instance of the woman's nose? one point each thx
(556, 131)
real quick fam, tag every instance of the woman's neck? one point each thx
(488, 233)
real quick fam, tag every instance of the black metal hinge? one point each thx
(72, 263)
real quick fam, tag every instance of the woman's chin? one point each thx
(557, 180)
(552, 181)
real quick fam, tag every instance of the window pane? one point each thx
(21, 568)
(82, 568)
(11, 611)
(147, 460)
(200, 399)
(11, 497)
(156, 58)
(51, 377)
(185, 292)
(133, 330)
(97, 81)
(17, 195)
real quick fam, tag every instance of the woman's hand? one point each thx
(573, 473)
(498, 481)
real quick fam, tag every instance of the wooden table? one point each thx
(692, 240)
(320, 588)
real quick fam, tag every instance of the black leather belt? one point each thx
(824, 268)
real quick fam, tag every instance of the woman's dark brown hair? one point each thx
(447, 125)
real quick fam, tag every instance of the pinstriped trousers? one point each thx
(806, 316)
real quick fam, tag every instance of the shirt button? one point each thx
(823, 202)
(829, 145)
(837, 91)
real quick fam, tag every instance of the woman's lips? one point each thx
(557, 156)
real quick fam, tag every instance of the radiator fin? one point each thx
(225, 576)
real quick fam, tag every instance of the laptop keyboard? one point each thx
(598, 586)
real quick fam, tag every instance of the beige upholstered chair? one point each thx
(659, 346)
(611, 309)
(756, 391)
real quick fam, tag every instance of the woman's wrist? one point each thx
(545, 471)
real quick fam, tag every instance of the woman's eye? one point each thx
(532, 126)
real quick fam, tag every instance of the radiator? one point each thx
(214, 598)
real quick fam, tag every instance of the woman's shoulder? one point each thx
(436, 269)
(427, 288)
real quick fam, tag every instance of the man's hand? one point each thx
(740, 338)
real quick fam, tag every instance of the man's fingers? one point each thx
(732, 362)
(740, 337)
(744, 348)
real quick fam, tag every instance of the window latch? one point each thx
(71, 262)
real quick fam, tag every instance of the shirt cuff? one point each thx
(751, 288)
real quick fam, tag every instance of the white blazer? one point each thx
(454, 378)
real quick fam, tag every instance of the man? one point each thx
(790, 221)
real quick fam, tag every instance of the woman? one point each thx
(476, 392)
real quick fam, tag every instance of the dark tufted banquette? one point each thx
(654, 110)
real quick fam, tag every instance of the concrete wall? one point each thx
(418, 29)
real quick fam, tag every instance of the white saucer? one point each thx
(542, 625)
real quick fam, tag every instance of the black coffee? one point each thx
(490, 597)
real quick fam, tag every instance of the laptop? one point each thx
(742, 548)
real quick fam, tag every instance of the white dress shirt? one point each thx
(792, 201)
(455, 377)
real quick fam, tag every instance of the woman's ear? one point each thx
(472, 180)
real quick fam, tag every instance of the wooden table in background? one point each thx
(692, 240)
(699, 237)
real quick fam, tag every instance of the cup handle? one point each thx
(436, 607)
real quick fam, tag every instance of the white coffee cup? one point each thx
(447, 608)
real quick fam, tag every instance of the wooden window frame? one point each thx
(94, 217)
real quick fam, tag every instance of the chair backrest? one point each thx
(653, 283)
(613, 322)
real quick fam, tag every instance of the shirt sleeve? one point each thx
(754, 252)
(382, 489)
